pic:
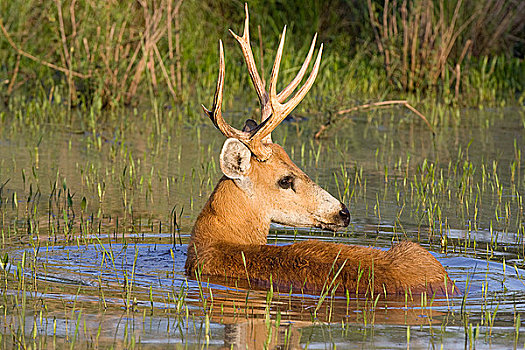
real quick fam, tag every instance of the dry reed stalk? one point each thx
(139, 69)
(86, 48)
(63, 33)
(72, 96)
(152, 22)
(136, 79)
(380, 104)
(448, 39)
(415, 30)
(417, 49)
(12, 81)
(178, 52)
(151, 67)
(73, 19)
(429, 35)
(500, 21)
(458, 79)
(165, 73)
(393, 23)
(119, 52)
(105, 54)
(375, 28)
(170, 41)
(458, 67)
(173, 14)
(13, 85)
(154, 31)
(385, 35)
(404, 78)
(97, 41)
(38, 60)
(129, 67)
(117, 48)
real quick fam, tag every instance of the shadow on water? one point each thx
(94, 240)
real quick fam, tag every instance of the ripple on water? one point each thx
(161, 266)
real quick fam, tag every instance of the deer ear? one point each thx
(235, 159)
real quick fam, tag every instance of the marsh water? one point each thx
(95, 224)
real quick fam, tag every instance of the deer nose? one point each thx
(345, 215)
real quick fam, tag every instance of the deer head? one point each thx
(262, 185)
(261, 169)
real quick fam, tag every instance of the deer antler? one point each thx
(273, 110)
(246, 48)
(279, 110)
(227, 130)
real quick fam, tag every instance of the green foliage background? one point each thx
(106, 40)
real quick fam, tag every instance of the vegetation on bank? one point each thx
(97, 55)
(105, 167)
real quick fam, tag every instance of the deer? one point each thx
(261, 185)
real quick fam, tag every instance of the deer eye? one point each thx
(286, 182)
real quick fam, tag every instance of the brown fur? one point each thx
(234, 224)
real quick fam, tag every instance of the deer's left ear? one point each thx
(235, 159)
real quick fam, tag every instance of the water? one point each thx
(95, 227)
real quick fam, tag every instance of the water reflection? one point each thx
(142, 193)
(240, 316)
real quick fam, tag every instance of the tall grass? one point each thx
(90, 54)
(95, 49)
(431, 44)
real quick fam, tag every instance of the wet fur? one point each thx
(309, 265)
(232, 225)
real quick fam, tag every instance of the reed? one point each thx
(429, 45)
(99, 55)
(98, 189)
(91, 55)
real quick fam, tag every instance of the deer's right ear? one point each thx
(235, 159)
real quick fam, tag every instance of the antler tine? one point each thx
(279, 110)
(276, 65)
(215, 113)
(273, 111)
(283, 95)
(244, 41)
(298, 97)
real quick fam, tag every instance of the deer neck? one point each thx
(232, 216)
